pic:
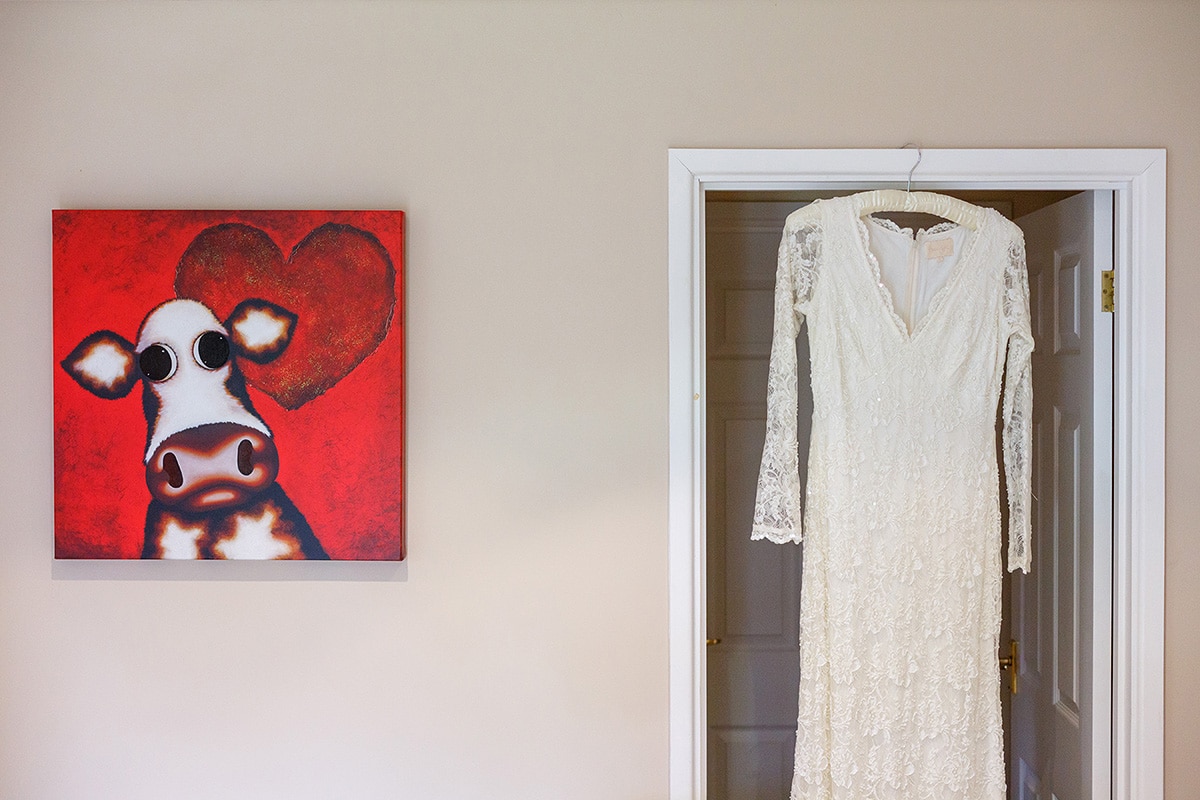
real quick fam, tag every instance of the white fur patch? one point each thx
(253, 538)
(193, 396)
(260, 329)
(180, 542)
(106, 363)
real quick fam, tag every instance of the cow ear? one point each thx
(104, 364)
(260, 330)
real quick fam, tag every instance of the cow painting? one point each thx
(210, 459)
(267, 348)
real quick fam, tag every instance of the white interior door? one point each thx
(753, 597)
(1059, 729)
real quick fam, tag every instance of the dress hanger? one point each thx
(939, 205)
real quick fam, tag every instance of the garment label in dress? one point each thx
(939, 248)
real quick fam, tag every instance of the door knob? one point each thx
(711, 642)
(1011, 663)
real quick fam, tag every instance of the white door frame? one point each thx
(1138, 180)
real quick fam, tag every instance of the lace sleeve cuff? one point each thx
(776, 535)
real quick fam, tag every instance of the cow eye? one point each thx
(212, 350)
(157, 362)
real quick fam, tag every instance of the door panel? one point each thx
(753, 587)
(1053, 722)
(750, 762)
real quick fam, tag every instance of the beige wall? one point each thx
(522, 651)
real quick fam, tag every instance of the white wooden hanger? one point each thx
(939, 205)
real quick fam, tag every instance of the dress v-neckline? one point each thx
(886, 300)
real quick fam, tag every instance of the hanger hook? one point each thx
(914, 166)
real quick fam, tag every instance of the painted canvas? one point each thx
(229, 385)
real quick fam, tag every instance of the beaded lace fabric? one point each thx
(900, 598)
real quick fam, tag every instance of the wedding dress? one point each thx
(910, 336)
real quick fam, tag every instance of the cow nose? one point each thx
(172, 470)
(212, 466)
(245, 457)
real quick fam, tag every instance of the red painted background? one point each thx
(341, 453)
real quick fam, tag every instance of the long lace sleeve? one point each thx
(777, 505)
(1018, 406)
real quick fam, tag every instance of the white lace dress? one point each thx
(900, 600)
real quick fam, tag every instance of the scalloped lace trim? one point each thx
(934, 230)
(776, 535)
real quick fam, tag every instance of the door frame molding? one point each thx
(1138, 180)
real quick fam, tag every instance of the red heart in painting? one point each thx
(339, 281)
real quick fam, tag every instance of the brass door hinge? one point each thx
(1108, 292)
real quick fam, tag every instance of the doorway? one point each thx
(1137, 180)
(752, 607)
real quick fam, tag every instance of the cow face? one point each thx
(206, 447)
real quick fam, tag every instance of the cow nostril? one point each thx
(174, 473)
(245, 456)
